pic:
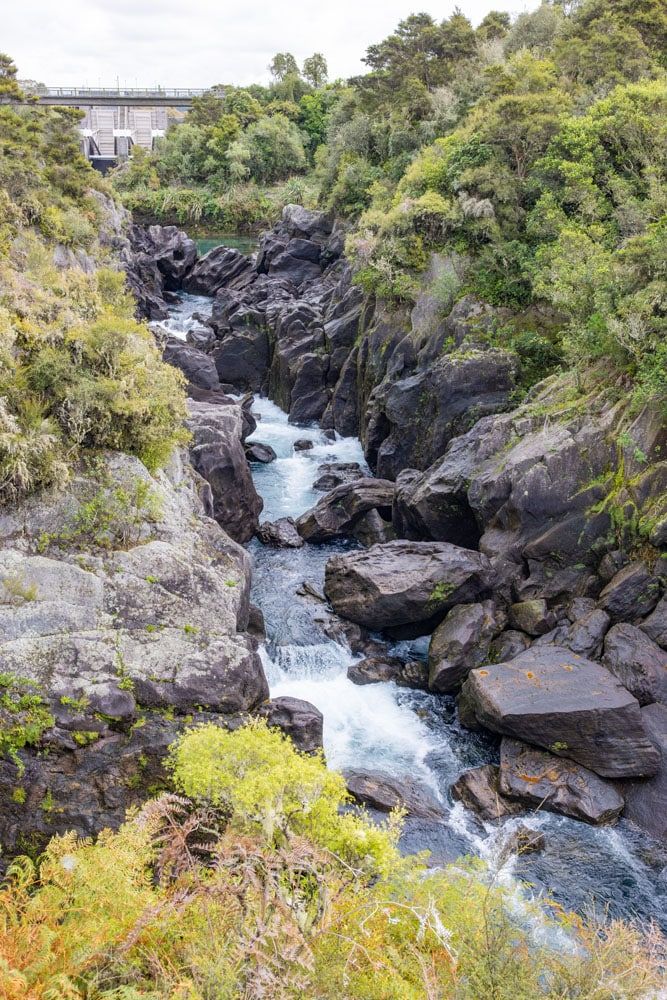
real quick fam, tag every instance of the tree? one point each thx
(315, 70)
(8, 83)
(496, 24)
(282, 65)
(269, 150)
(208, 108)
(242, 105)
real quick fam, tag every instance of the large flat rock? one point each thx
(405, 583)
(543, 781)
(552, 698)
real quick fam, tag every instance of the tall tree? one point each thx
(283, 65)
(315, 70)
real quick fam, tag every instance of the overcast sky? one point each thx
(177, 43)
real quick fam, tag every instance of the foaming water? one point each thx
(182, 316)
(286, 484)
(380, 727)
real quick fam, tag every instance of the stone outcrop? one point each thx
(638, 663)
(218, 456)
(646, 801)
(461, 643)
(566, 704)
(405, 583)
(111, 620)
(339, 511)
(479, 791)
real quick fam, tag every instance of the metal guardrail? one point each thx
(110, 92)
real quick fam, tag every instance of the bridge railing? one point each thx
(105, 92)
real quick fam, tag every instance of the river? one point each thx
(382, 727)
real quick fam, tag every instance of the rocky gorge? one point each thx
(496, 561)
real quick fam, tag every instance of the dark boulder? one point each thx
(632, 593)
(461, 643)
(584, 636)
(508, 645)
(298, 719)
(303, 444)
(386, 792)
(404, 583)
(655, 626)
(571, 706)
(198, 368)
(280, 534)
(532, 617)
(242, 358)
(541, 780)
(646, 801)
(638, 663)
(479, 791)
(374, 670)
(255, 451)
(339, 511)
(220, 267)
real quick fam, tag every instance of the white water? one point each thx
(181, 317)
(364, 727)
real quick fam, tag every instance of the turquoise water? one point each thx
(246, 244)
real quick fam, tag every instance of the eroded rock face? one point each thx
(339, 511)
(542, 781)
(110, 623)
(169, 249)
(220, 266)
(218, 455)
(405, 583)
(424, 411)
(573, 707)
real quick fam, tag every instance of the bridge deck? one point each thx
(98, 97)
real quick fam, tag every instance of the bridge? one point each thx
(116, 119)
(128, 97)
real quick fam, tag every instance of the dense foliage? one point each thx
(257, 886)
(77, 372)
(533, 156)
(228, 163)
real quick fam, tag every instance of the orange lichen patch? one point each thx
(568, 666)
(530, 675)
(483, 673)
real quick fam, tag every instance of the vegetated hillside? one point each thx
(77, 372)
